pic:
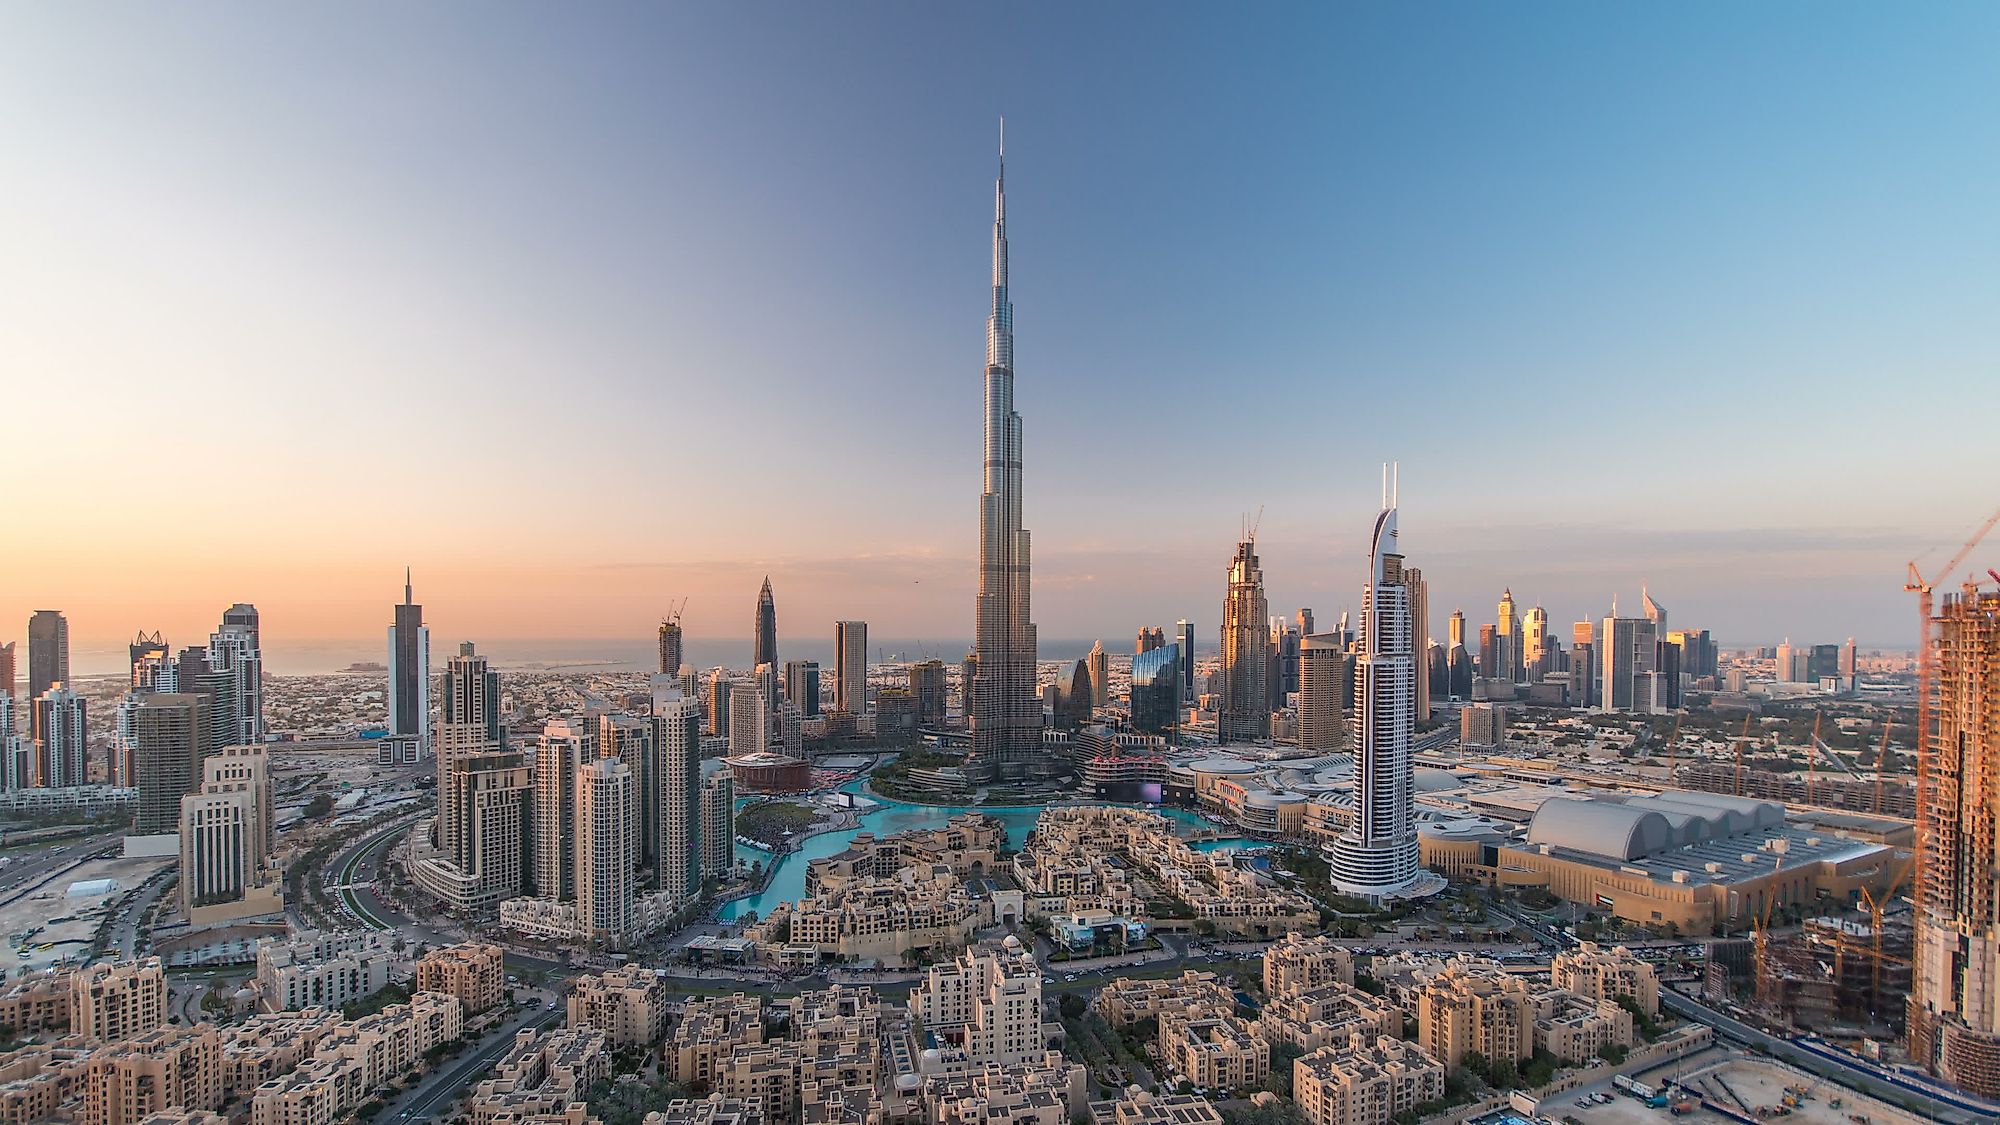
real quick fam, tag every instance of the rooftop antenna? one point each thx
(409, 598)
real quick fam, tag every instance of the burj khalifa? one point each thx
(1005, 716)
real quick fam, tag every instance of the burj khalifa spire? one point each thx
(1005, 716)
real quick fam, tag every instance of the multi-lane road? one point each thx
(441, 1086)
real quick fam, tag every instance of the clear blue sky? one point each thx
(634, 302)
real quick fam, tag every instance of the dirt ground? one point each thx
(59, 939)
(1762, 1083)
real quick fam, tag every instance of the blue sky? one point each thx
(631, 302)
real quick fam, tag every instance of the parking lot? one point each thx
(49, 926)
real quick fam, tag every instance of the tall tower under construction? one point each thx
(1954, 1013)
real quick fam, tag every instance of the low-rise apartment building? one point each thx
(1329, 1015)
(475, 972)
(1607, 973)
(322, 969)
(544, 1073)
(1365, 1082)
(628, 1004)
(1214, 1051)
(113, 1000)
(710, 1028)
(1299, 964)
(1124, 1001)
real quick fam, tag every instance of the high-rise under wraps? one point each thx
(1954, 1012)
(1005, 718)
(1377, 856)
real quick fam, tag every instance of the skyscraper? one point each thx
(1507, 640)
(1156, 692)
(1850, 664)
(1954, 1008)
(604, 807)
(1005, 717)
(802, 687)
(410, 672)
(1245, 714)
(1628, 655)
(173, 734)
(48, 651)
(677, 739)
(927, 687)
(1150, 638)
(236, 648)
(1326, 690)
(766, 628)
(670, 646)
(850, 668)
(1535, 644)
(1456, 630)
(1377, 856)
(228, 833)
(1584, 687)
(1655, 612)
(718, 826)
(1184, 634)
(563, 750)
(719, 687)
(1420, 638)
(61, 736)
(7, 671)
(629, 739)
(749, 722)
(468, 728)
(1099, 662)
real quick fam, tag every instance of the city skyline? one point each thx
(1539, 270)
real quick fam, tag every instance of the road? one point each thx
(35, 863)
(441, 1087)
(125, 927)
(354, 869)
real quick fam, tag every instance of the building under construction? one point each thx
(1954, 1010)
(1833, 972)
(1889, 798)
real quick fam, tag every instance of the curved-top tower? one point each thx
(1376, 857)
(1005, 717)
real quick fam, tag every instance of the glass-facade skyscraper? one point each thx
(1156, 691)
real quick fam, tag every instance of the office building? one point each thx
(1184, 637)
(1822, 663)
(1585, 688)
(927, 688)
(677, 737)
(718, 826)
(1004, 720)
(765, 630)
(48, 651)
(1326, 689)
(1156, 692)
(671, 643)
(561, 753)
(1149, 639)
(802, 687)
(1492, 654)
(234, 649)
(151, 663)
(410, 672)
(1098, 663)
(61, 738)
(1376, 857)
(173, 734)
(1420, 636)
(1954, 1009)
(1245, 714)
(1850, 664)
(604, 825)
(228, 839)
(850, 668)
(1628, 654)
(7, 670)
(1507, 638)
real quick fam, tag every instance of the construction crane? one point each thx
(1740, 740)
(1916, 584)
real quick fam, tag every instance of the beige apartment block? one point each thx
(1044, 1090)
(1299, 964)
(114, 1000)
(1146, 1108)
(472, 971)
(1215, 1052)
(1329, 1015)
(1364, 1082)
(165, 1068)
(987, 1002)
(1606, 974)
(1578, 1027)
(710, 1028)
(1462, 1011)
(1124, 1001)
(544, 1073)
(628, 1004)
(37, 1001)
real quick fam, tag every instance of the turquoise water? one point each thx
(893, 816)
